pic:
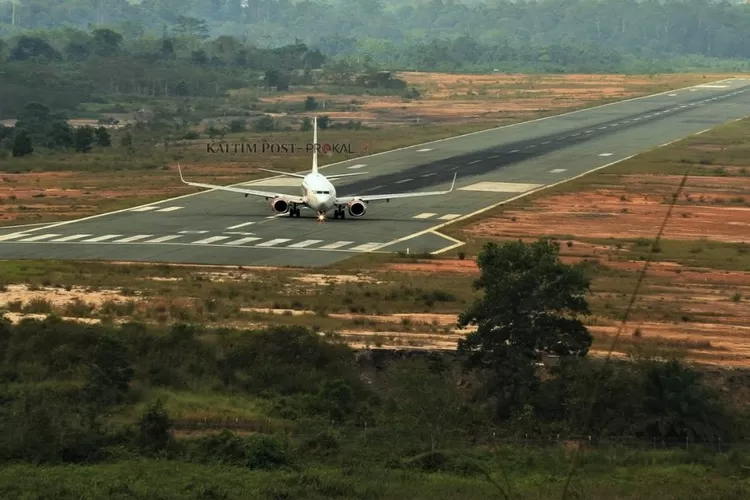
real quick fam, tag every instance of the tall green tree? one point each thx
(530, 306)
(22, 143)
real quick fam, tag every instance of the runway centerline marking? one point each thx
(605, 154)
(558, 170)
(359, 165)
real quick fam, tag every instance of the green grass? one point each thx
(611, 474)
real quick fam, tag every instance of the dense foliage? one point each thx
(66, 388)
(437, 34)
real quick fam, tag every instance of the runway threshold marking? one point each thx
(211, 239)
(144, 209)
(303, 244)
(39, 237)
(102, 238)
(274, 242)
(242, 240)
(449, 216)
(130, 239)
(425, 215)
(169, 209)
(336, 244)
(365, 247)
(558, 170)
(164, 238)
(71, 237)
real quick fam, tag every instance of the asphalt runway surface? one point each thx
(493, 166)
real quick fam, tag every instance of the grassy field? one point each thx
(528, 474)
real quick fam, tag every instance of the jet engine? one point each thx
(279, 205)
(357, 208)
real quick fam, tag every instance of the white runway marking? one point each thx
(558, 170)
(708, 86)
(427, 175)
(193, 232)
(449, 216)
(133, 238)
(365, 247)
(493, 156)
(473, 162)
(336, 244)
(241, 225)
(12, 236)
(500, 187)
(241, 241)
(358, 166)
(71, 237)
(101, 238)
(212, 239)
(39, 237)
(515, 151)
(672, 95)
(169, 209)
(306, 243)
(162, 239)
(425, 215)
(144, 209)
(605, 154)
(271, 243)
(402, 181)
(423, 150)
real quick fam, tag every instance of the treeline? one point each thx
(551, 34)
(38, 128)
(64, 68)
(65, 386)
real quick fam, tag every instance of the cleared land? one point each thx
(41, 188)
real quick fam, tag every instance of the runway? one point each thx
(493, 166)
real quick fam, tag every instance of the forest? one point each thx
(550, 35)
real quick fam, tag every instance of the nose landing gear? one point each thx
(339, 213)
(294, 212)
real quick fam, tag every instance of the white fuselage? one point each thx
(318, 192)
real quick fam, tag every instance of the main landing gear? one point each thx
(294, 212)
(339, 213)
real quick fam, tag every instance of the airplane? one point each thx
(317, 192)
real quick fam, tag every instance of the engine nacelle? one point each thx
(357, 208)
(279, 205)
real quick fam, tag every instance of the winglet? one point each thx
(454, 182)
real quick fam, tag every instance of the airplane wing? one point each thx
(387, 197)
(245, 191)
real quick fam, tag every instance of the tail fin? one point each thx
(315, 145)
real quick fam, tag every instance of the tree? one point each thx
(109, 376)
(426, 403)
(529, 307)
(22, 144)
(310, 103)
(84, 138)
(103, 138)
(306, 124)
(153, 428)
(324, 122)
(678, 405)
